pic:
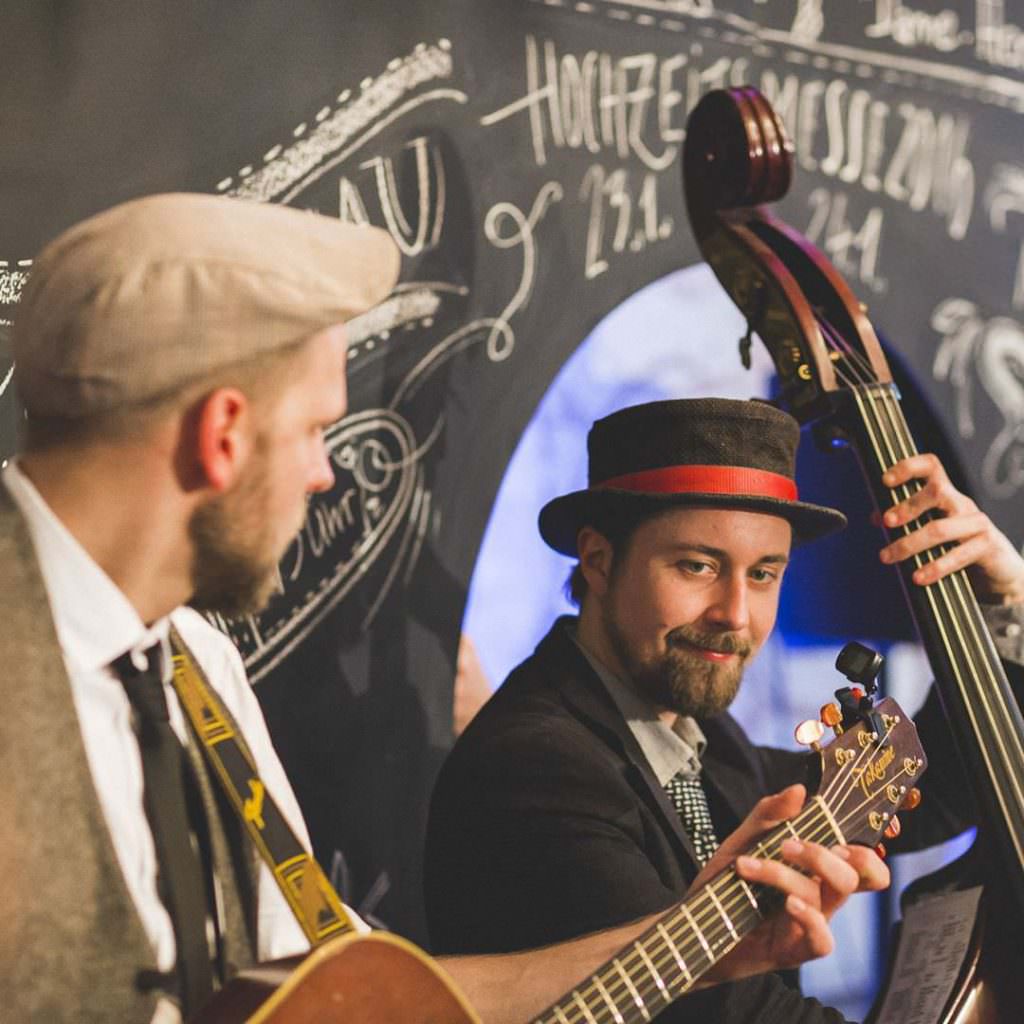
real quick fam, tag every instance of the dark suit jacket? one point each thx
(547, 822)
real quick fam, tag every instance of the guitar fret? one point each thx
(721, 910)
(640, 1004)
(578, 999)
(791, 830)
(675, 952)
(700, 935)
(639, 947)
(750, 895)
(838, 832)
(562, 1019)
(608, 999)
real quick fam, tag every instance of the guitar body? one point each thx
(377, 978)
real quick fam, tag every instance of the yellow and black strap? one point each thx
(311, 896)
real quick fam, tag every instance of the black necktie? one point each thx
(691, 804)
(164, 763)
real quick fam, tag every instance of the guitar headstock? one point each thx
(869, 770)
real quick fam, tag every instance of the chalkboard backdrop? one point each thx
(524, 156)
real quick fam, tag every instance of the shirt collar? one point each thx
(669, 749)
(94, 620)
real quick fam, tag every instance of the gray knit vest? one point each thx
(71, 943)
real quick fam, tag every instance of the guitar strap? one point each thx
(310, 895)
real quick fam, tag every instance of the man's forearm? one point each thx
(512, 988)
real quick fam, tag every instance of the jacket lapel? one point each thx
(582, 690)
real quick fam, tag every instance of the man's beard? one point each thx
(680, 679)
(234, 569)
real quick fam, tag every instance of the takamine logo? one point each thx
(875, 771)
(347, 529)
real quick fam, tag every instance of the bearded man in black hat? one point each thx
(594, 785)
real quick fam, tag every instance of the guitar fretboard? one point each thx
(667, 959)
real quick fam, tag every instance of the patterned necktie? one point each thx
(181, 880)
(691, 804)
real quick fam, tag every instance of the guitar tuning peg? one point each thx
(808, 733)
(893, 829)
(880, 850)
(831, 715)
(912, 800)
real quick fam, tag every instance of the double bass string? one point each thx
(952, 595)
(956, 609)
(960, 603)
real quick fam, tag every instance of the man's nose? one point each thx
(322, 475)
(730, 608)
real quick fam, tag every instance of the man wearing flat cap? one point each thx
(597, 781)
(179, 357)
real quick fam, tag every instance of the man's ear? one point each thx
(595, 554)
(224, 439)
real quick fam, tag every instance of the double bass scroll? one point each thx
(833, 373)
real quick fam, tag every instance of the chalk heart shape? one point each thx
(347, 531)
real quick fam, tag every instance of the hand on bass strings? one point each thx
(995, 566)
(816, 882)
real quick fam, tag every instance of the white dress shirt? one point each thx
(95, 623)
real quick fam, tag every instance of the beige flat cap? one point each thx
(144, 297)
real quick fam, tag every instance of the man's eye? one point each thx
(695, 567)
(764, 575)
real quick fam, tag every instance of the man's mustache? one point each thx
(722, 643)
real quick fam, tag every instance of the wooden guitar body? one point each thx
(377, 978)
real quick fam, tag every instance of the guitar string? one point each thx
(676, 925)
(861, 367)
(856, 765)
(729, 900)
(711, 911)
(646, 985)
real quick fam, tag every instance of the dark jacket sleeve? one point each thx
(533, 837)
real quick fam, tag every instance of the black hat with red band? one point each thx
(714, 452)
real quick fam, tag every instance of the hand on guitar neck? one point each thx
(814, 880)
(928, 512)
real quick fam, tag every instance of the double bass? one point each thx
(833, 373)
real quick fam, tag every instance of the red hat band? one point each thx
(733, 480)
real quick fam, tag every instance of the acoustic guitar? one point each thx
(862, 778)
